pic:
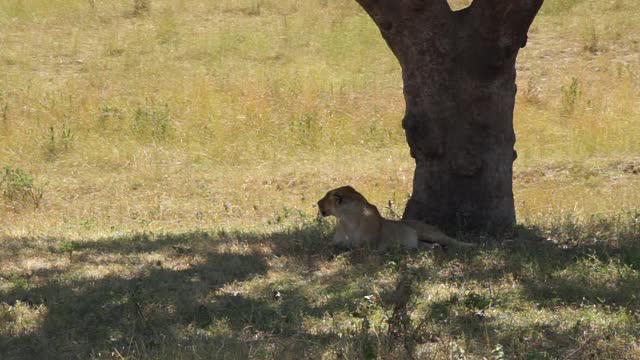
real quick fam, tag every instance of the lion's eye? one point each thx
(338, 198)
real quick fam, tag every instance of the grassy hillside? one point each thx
(160, 169)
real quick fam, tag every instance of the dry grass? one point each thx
(149, 131)
(155, 122)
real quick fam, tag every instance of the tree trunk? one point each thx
(459, 76)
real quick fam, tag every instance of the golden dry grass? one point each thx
(155, 122)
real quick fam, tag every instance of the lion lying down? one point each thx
(359, 224)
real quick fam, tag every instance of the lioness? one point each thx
(359, 224)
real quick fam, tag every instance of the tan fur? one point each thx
(359, 224)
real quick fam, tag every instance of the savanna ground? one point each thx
(160, 168)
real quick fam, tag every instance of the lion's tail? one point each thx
(430, 233)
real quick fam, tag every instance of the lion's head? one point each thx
(337, 198)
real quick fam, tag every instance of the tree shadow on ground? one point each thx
(571, 271)
(115, 299)
(579, 293)
(183, 295)
(87, 314)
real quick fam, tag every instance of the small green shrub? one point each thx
(17, 187)
(58, 141)
(153, 122)
(570, 97)
(18, 281)
(68, 247)
(108, 114)
(306, 128)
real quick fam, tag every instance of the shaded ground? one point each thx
(287, 295)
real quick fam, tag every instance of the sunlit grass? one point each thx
(240, 91)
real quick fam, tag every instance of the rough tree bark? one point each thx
(459, 76)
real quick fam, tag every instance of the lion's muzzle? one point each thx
(321, 209)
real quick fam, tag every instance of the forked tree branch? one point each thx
(375, 6)
(506, 21)
(385, 13)
(395, 18)
(502, 23)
